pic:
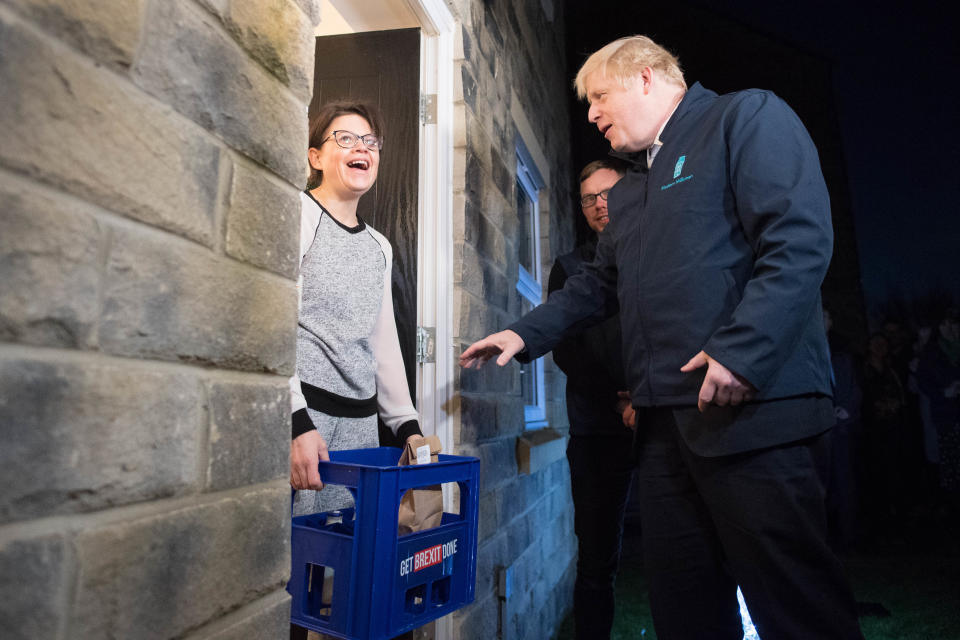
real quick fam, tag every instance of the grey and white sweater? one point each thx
(348, 353)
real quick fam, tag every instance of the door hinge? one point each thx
(428, 108)
(426, 345)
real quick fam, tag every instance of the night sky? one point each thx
(894, 108)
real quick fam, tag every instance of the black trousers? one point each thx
(754, 519)
(601, 469)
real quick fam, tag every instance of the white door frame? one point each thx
(435, 234)
(435, 184)
(435, 203)
(435, 219)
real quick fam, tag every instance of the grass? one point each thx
(913, 573)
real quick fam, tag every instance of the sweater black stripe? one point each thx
(333, 404)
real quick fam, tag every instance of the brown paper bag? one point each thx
(420, 508)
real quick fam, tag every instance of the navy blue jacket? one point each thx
(721, 246)
(591, 360)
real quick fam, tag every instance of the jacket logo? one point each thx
(678, 167)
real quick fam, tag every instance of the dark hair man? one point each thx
(600, 449)
(718, 241)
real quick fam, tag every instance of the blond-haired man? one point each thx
(718, 241)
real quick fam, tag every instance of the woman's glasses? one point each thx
(348, 140)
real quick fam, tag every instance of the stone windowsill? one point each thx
(536, 450)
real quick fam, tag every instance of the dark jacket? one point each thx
(591, 359)
(721, 246)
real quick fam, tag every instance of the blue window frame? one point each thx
(530, 278)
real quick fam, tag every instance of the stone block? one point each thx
(263, 221)
(49, 266)
(80, 437)
(264, 619)
(489, 514)
(249, 434)
(106, 30)
(478, 418)
(176, 301)
(560, 502)
(532, 485)
(502, 177)
(491, 27)
(496, 287)
(491, 555)
(471, 269)
(492, 378)
(459, 162)
(461, 230)
(471, 380)
(33, 582)
(538, 450)
(467, 89)
(502, 380)
(498, 463)
(472, 212)
(490, 241)
(160, 576)
(462, 43)
(519, 535)
(83, 129)
(310, 8)
(277, 34)
(474, 173)
(188, 61)
(541, 513)
(501, 214)
(479, 621)
(513, 501)
(459, 125)
(510, 415)
(477, 138)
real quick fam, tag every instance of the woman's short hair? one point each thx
(329, 112)
(624, 59)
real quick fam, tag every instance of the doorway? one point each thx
(418, 220)
(383, 68)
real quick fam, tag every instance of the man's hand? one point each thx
(306, 451)
(505, 345)
(720, 386)
(626, 410)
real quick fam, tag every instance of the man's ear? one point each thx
(646, 77)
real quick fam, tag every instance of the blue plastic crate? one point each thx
(384, 584)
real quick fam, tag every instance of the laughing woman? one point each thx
(349, 367)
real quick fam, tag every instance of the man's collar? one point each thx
(654, 148)
(694, 95)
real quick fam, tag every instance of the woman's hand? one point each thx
(306, 451)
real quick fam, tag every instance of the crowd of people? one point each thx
(897, 438)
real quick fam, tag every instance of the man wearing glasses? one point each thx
(718, 242)
(600, 449)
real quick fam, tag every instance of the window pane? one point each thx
(528, 384)
(528, 371)
(525, 237)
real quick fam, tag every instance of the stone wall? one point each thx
(151, 157)
(511, 81)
